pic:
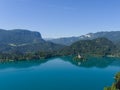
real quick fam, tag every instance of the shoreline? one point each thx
(45, 58)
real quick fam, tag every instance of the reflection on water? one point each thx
(94, 62)
(22, 64)
(61, 73)
(90, 62)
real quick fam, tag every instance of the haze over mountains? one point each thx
(114, 36)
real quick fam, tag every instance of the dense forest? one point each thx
(96, 47)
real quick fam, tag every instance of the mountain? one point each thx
(25, 44)
(19, 36)
(64, 40)
(99, 46)
(24, 41)
(114, 36)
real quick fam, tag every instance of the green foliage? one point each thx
(117, 76)
(100, 46)
(116, 84)
(107, 88)
(4, 57)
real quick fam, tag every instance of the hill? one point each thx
(99, 46)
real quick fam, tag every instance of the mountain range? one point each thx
(19, 44)
(114, 36)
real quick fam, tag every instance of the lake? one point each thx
(60, 73)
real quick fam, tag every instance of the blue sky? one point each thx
(60, 18)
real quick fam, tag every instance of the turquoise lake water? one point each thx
(59, 74)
